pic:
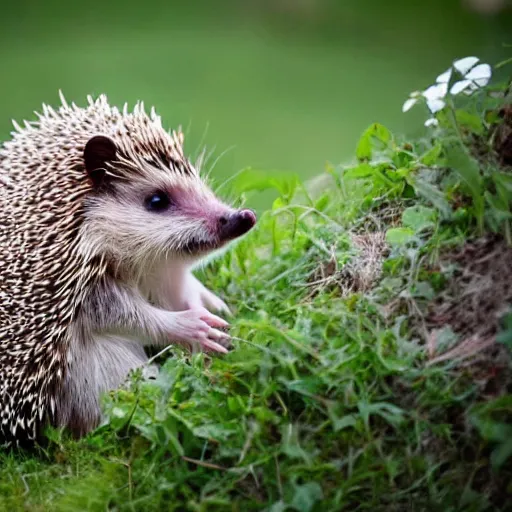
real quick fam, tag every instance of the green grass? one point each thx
(327, 401)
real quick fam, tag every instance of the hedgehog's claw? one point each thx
(214, 320)
(214, 303)
(221, 337)
(200, 328)
(213, 347)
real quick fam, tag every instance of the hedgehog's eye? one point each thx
(158, 202)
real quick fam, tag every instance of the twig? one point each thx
(203, 464)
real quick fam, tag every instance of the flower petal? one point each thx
(431, 122)
(480, 74)
(444, 78)
(435, 92)
(409, 104)
(471, 89)
(465, 64)
(435, 105)
(460, 86)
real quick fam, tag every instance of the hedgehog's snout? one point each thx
(235, 224)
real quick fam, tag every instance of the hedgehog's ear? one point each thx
(98, 152)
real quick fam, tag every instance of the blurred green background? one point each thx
(272, 84)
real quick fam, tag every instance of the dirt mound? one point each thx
(503, 137)
(476, 298)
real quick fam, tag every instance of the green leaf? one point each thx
(424, 290)
(500, 207)
(466, 166)
(366, 144)
(470, 121)
(344, 422)
(307, 386)
(278, 506)
(361, 171)
(174, 442)
(257, 180)
(431, 194)
(493, 430)
(306, 496)
(418, 218)
(364, 148)
(501, 453)
(217, 431)
(322, 202)
(389, 412)
(399, 236)
(431, 156)
(340, 423)
(502, 403)
(503, 186)
(290, 444)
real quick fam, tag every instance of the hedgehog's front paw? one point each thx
(213, 303)
(199, 296)
(200, 327)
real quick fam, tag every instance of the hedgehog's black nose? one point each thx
(236, 224)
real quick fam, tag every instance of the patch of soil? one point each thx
(477, 296)
(502, 137)
(479, 290)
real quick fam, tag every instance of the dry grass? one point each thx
(360, 274)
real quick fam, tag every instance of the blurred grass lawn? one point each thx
(267, 94)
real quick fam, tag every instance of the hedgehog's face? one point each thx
(142, 211)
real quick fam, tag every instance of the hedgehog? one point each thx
(103, 220)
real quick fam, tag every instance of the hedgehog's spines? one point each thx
(51, 111)
(42, 187)
(63, 100)
(17, 127)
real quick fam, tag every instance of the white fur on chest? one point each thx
(100, 359)
(166, 285)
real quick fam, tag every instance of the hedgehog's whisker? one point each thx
(216, 161)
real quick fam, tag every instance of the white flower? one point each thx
(461, 85)
(411, 101)
(478, 76)
(434, 96)
(431, 122)
(444, 78)
(465, 64)
(473, 77)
